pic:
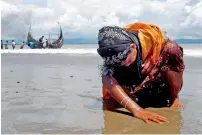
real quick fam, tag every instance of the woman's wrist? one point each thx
(135, 110)
(129, 104)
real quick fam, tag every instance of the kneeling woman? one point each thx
(142, 68)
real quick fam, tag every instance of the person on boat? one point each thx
(41, 39)
(31, 45)
(2, 44)
(23, 44)
(13, 44)
(45, 43)
(142, 68)
(6, 44)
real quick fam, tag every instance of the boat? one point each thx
(38, 45)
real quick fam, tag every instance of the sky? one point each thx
(83, 18)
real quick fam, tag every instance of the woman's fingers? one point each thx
(146, 66)
(182, 106)
(148, 117)
(177, 103)
(157, 118)
(149, 69)
(147, 121)
(162, 119)
(146, 61)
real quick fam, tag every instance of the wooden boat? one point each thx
(35, 44)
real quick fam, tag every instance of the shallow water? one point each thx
(58, 93)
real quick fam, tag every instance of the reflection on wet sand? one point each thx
(120, 121)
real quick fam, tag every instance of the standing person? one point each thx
(13, 44)
(142, 68)
(6, 44)
(2, 44)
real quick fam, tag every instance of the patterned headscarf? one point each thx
(114, 44)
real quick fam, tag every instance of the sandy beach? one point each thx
(60, 93)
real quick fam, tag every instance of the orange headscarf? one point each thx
(151, 39)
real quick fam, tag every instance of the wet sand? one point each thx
(122, 123)
(57, 93)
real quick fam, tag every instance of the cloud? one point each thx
(83, 18)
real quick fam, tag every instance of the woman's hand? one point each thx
(148, 116)
(177, 103)
(147, 66)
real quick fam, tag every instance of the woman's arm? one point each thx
(119, 94)
(175, 80)
(121, 97)
(174, 70)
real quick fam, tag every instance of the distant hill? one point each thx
(80, 41)
(189, 41)
(94, 41)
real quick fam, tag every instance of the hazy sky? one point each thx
(83, 18)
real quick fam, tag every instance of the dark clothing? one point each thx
(156, 91)
(2, 45)
(41, 39)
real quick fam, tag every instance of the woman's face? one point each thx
(131, 57)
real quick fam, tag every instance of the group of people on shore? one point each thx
(5, 46)
(42, 40)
